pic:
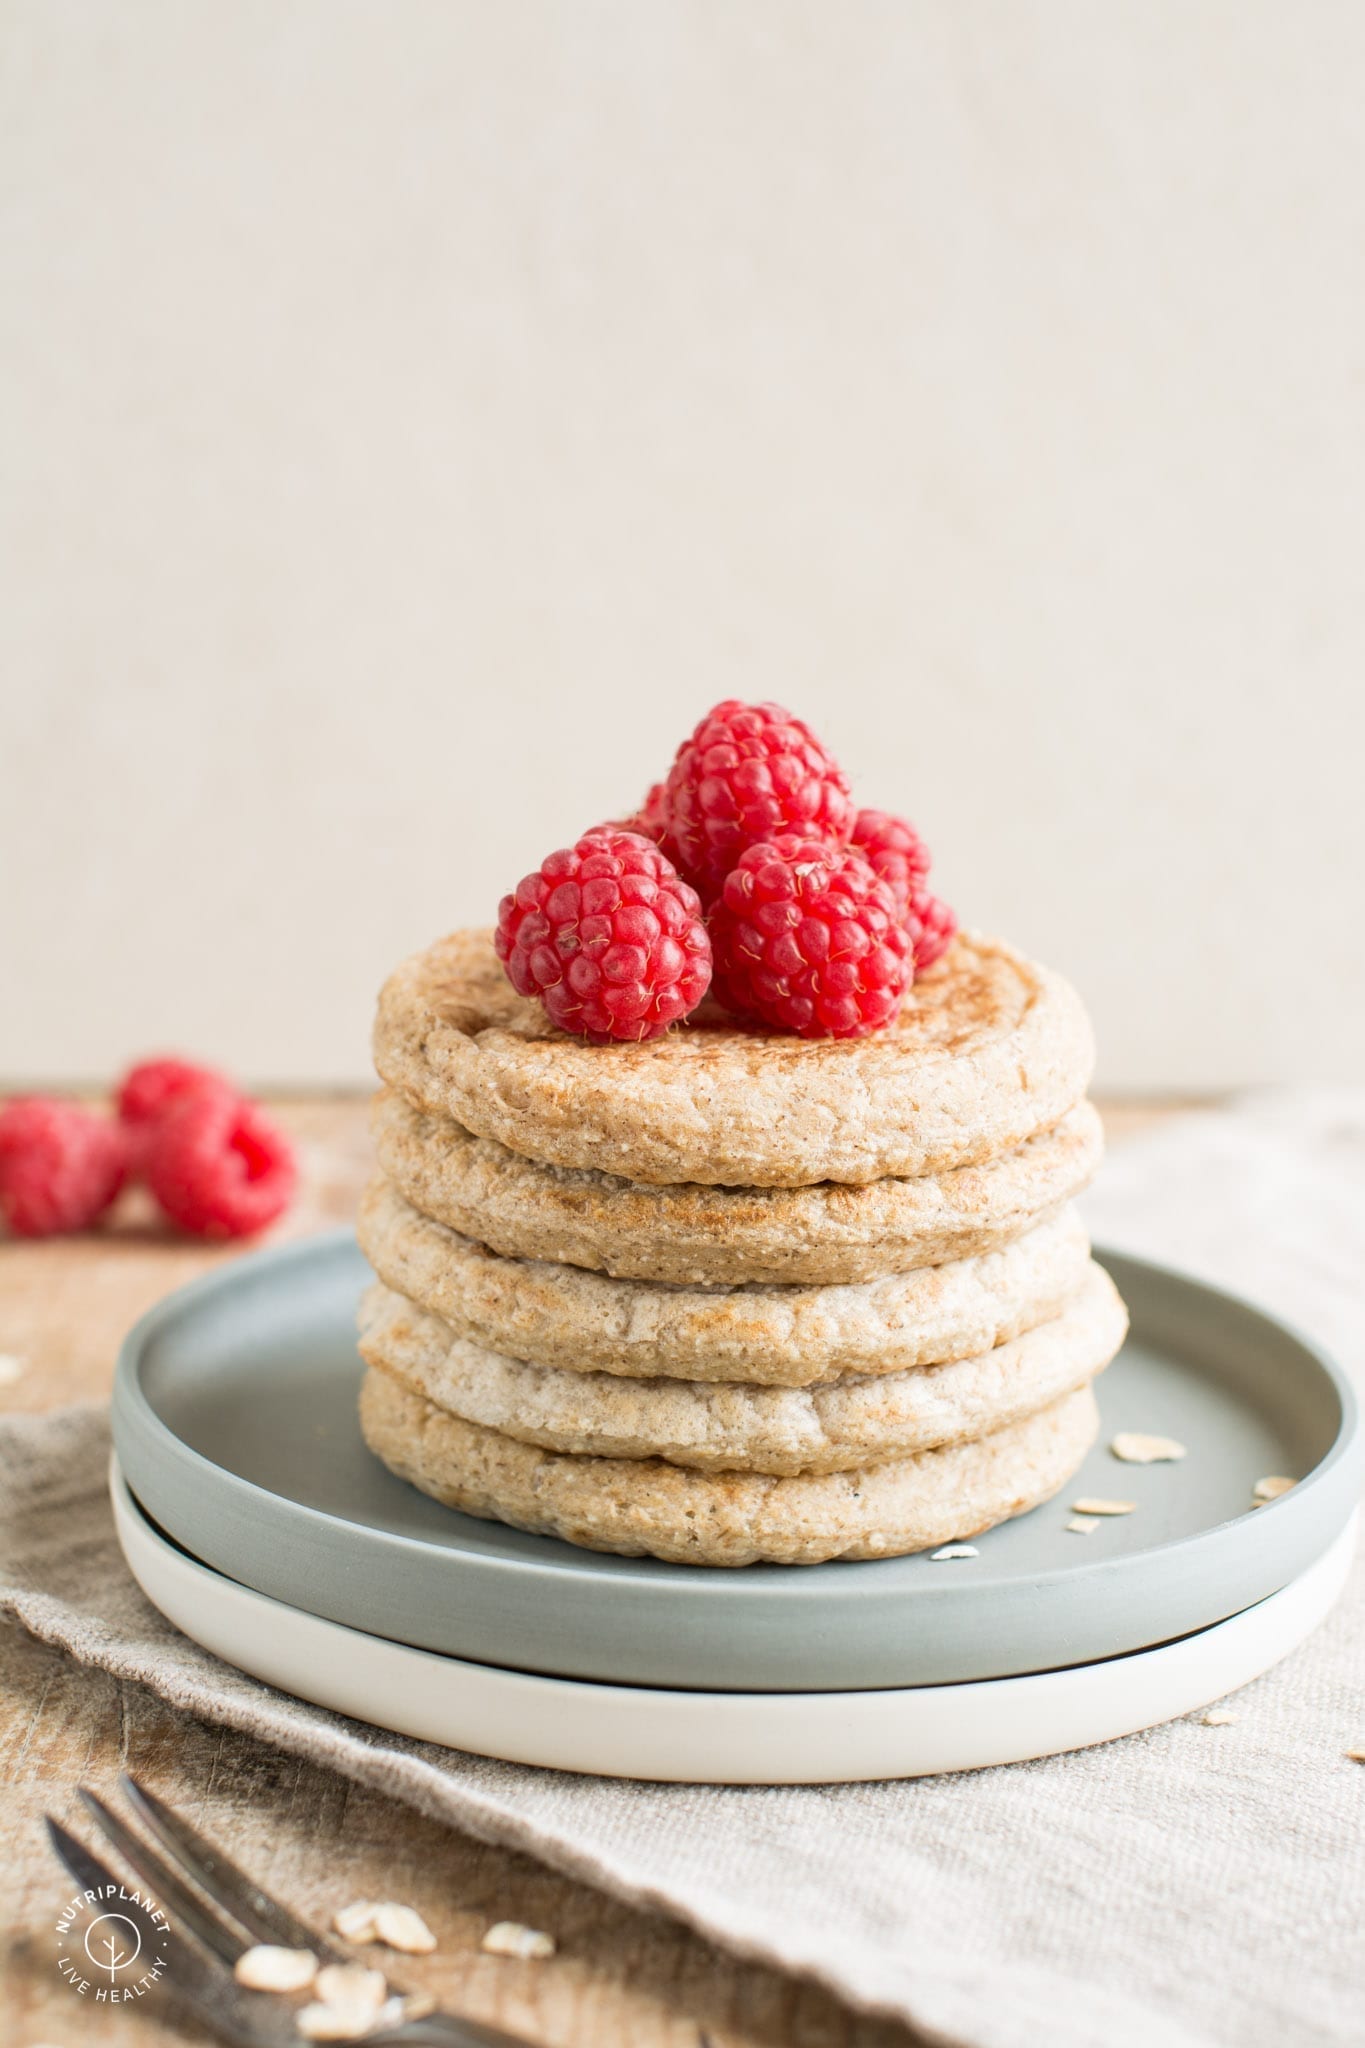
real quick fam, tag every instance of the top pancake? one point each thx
(988, 1050)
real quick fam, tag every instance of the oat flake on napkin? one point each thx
(1192, 1885)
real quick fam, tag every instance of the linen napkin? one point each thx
(1198, 1886)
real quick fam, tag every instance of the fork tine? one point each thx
(91, 1875)
(263, 1917)
(175, 1896)
(205, 1983)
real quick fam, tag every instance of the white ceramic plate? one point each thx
(729, 1738)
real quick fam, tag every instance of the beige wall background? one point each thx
(415, 414)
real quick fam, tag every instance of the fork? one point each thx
(216, 1912)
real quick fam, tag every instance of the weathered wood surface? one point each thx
(621, 1979)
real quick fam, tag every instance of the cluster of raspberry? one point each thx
(216, 1165)
(748, 873)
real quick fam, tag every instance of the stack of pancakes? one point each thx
(731, 1296)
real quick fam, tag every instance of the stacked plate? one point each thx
(254, 1516)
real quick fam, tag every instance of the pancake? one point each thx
(989, 1050)
(640, 1508)
(696, 1235)
(582, 1321)
(840, 1424)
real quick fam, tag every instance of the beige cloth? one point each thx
(1191, 1886)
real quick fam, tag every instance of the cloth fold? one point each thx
(1195, 1885)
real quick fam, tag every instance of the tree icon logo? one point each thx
(112, 1942)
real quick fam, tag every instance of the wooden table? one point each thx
(620, 1979)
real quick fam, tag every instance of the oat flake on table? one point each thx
(511, 1938)
(270, 1968)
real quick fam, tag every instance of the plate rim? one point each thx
(871, 1731)
(1301, 1502)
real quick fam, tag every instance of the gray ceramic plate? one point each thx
(234, 1418)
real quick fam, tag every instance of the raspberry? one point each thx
(609, 936)
(895, 852)
(807, 939)
(148, 1089)
(931, 925)
(901, 858)
(749, 773)
(218, 1165)
(651, 820)
(60, 1167)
